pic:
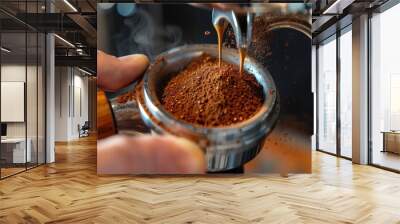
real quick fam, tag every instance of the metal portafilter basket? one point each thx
(227, 147)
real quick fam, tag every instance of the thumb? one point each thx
(114, 73)
(149, 155)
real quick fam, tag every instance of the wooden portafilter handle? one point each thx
(105, 118)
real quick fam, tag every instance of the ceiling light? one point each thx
(84, 71)
(70, 5)
(5, 50)
(65, 41)
(337, 7)
(106, 6)
(333, 6)
(80, 51)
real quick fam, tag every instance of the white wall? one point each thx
(16, 73)
(33, 127)
(11, 73)
(80, 83)
(61, 103)
(70, 83)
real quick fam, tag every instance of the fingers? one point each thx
(115, 73)
(149, 155)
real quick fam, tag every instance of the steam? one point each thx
(141, 33)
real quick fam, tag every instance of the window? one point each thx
(327, 96)
(346, 93)
(385, 89)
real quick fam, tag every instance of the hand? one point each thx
(146, 154)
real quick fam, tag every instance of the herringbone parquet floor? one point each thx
(69, 191)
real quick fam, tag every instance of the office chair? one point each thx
(84, 130)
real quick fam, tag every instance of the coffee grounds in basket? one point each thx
(211, 96)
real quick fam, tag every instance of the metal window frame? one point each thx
(387, 5)
(336, 38)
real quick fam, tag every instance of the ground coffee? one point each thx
(208, 95)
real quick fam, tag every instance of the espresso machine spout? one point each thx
(296, 16)
(243, 35)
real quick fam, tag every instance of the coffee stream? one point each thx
(242, 51)
(220, 30)
(242, 55)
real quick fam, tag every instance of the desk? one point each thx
(13, 150)
(391, 141)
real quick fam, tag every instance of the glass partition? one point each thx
(22, 89)
(32, 87)
(41, 88)
(31, 97)
(14, 153)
